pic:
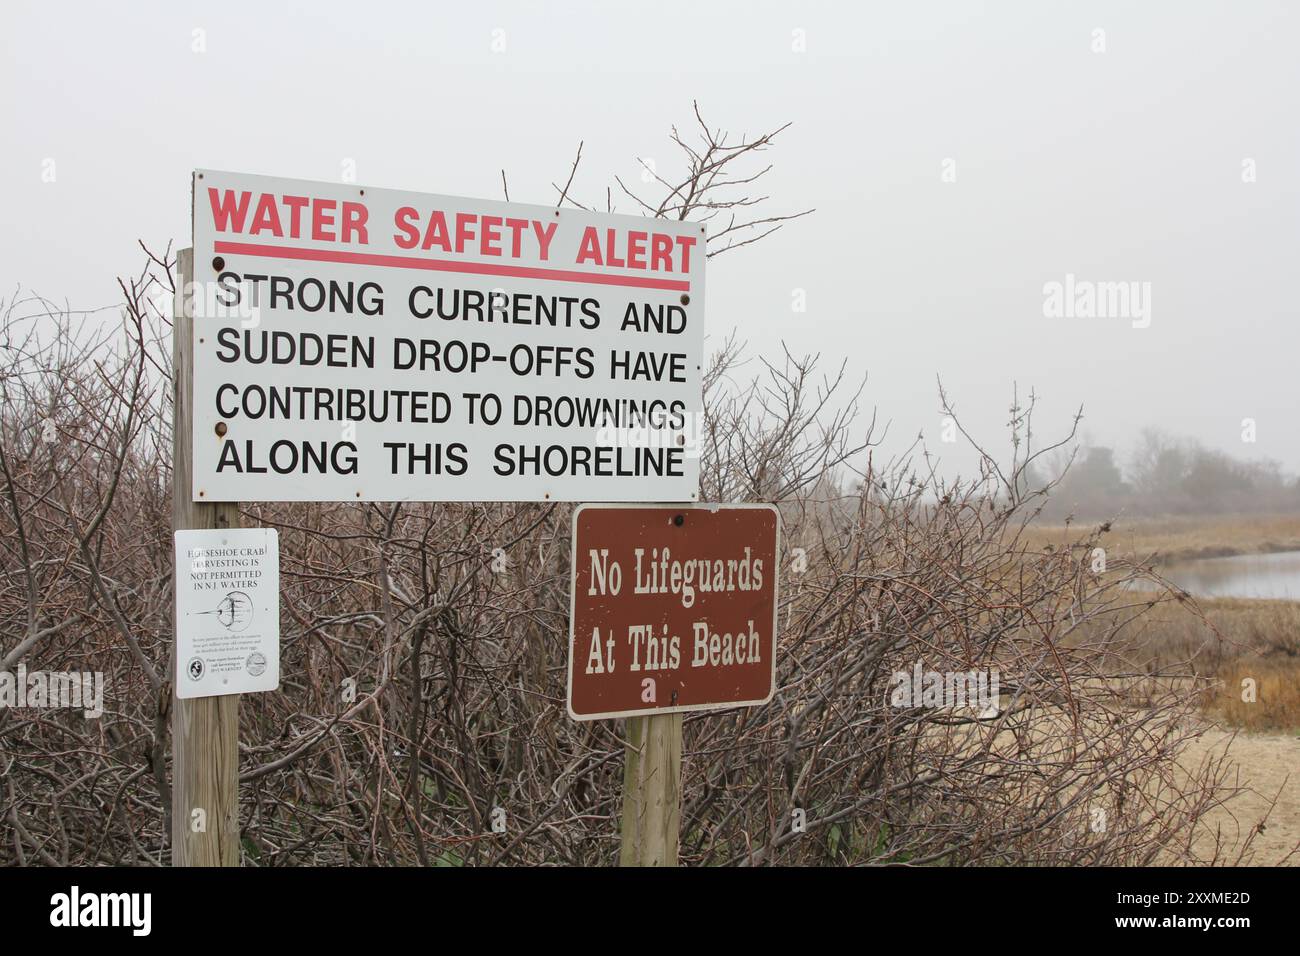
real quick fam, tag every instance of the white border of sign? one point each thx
(573, 587)
(399, 270)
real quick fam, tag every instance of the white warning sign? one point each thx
(353, 343)
(227, 612)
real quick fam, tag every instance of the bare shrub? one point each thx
(423, 677)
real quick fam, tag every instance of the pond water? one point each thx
(1243, 576)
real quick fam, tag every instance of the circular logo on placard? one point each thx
(235, 612)
(256, 663)
(196, 668)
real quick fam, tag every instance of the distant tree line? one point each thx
(1165, 475)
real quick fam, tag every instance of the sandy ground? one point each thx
(1266, 766)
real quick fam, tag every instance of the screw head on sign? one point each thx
(218, 263)
(686, 299)
(221, 429)
(679, 520)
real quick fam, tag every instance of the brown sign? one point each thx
(673, 608)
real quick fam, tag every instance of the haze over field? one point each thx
(959, 160)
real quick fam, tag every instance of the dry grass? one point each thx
(1222, 639)
(1227, 640)
(1217, 633)
(1276, 696)
(1180, 538)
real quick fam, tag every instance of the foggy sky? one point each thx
(1119, 166)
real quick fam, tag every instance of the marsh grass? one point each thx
(1182, 538)
(1215, 642)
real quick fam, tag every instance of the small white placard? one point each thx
(227, 612)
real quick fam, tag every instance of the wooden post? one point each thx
(205, 730)
(652, 792)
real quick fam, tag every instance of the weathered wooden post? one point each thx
(205, 730)
(652, 793)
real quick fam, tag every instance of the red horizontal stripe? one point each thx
(446, 265)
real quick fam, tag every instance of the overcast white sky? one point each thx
(1125, 165)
